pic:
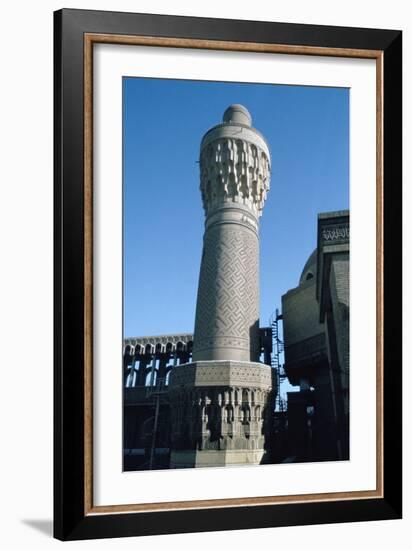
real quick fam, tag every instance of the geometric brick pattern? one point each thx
(227, 310)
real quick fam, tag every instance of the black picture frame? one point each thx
(71, 522)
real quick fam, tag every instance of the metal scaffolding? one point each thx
(277, 349)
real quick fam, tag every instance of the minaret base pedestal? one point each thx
(220, 413)
(212, 459)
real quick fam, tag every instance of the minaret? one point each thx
(219, 403)
(234, 181)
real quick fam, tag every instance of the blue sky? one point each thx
(307, 129)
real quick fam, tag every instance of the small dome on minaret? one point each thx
(238, 114)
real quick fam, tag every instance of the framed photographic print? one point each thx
(227, 274)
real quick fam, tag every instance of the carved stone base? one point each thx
(221, 411)
(204, 459)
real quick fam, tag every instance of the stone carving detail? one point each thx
(228, 373)
(227, 310)
(220, 418)
(234, 170)
(336, 233)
